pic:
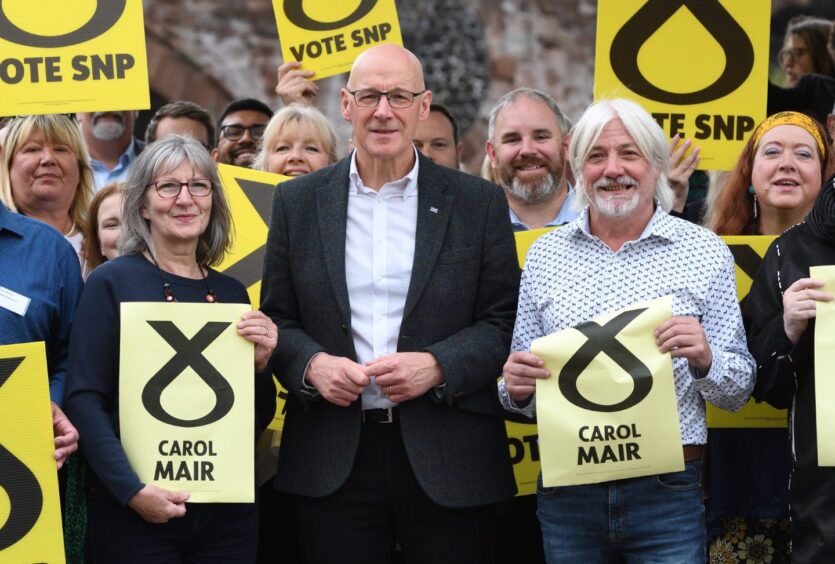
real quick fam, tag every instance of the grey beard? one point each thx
(108, 130)
(535, 193)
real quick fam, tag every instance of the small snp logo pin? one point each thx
(433, 209)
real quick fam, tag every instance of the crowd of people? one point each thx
(391, 300)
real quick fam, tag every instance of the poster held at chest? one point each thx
(186, 399)
(824, 347)
(609, 410)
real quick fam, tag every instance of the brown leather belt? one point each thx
(692, 452)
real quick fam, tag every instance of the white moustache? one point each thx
(619, 181)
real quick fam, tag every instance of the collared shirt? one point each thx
(379, 252)
(567, 214)
(571, 276)
(103, 175)
(37, 263)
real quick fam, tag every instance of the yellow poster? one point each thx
(609, 410)
(326, 36)
(522, 437)
(748, 252)
(30, 513)
(187, 398)
(250, 196)
(700, 67)
(81, 56)
(824, 359)
(250, 193)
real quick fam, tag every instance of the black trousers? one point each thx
(209, 533)
(382, 506)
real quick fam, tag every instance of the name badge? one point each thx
(14, 302)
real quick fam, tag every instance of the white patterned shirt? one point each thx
(571, 277)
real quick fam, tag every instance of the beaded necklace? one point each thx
(168, 293)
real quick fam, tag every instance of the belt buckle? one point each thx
(388, 412)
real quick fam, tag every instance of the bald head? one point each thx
(386, 56)
(384, 100)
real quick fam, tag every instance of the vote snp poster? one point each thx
(30, 513)
(824, 360)
(522, 438)
(609, 411)
(81, 56)
(700, 67)
(249, 193)
(326, 36)
(186, 398)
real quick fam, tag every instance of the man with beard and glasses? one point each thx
(527, 140)
(625, 249)
(113, 148)
(239, 131)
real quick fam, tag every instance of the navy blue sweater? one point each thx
(92, 390)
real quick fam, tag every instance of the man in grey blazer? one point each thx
(394, 283)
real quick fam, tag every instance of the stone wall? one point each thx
(474, 51)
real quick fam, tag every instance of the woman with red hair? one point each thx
(773, 187)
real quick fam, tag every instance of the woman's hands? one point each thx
(157, 505)
(257, 328)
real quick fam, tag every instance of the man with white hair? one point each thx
(113, 148)
(623, 249)
(527, 137)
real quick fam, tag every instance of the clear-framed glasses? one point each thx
(171, 187)
(398, 98)
(234, 131)
(793, 53)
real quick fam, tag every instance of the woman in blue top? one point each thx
(176, 224)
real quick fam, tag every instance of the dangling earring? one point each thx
(753, 193)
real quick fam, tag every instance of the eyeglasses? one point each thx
(235, 131)
(398, 98)
(794, 53)
(171, 187)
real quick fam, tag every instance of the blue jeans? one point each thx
(654, 519)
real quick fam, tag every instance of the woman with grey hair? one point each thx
(176, 226)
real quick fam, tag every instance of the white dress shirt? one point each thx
(379, 253)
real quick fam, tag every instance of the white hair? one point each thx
(648, 136)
